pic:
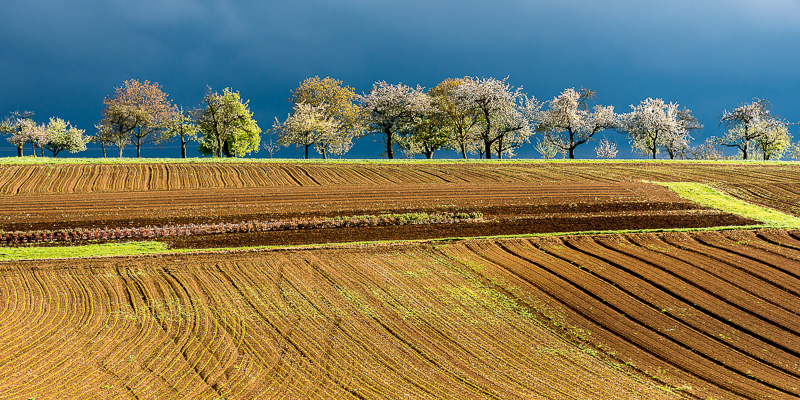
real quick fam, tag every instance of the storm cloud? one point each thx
(61, 58)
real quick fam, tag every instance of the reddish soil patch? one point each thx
(546, 224)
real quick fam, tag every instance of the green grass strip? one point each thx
(709, 197)
(89, 250)
(28, 160)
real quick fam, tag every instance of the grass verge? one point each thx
(29, 160)
(89, 250)
(709, 197)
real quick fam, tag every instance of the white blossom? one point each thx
(505, 113)
(568, 122)
(389, 109)
(606, 149)
(654, 124)
(746, 124)
(311, 126)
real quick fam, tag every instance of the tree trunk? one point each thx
(655, 149)
(487, 149)
(138, 147)
(744, 150)
(120, 152)
(463, 151)
(33, 149)
(183, 148)
(389, 144)
(19, 151)
(571, 153)
(500, 148)
(324, 153)
(42, 151)
(103, 146)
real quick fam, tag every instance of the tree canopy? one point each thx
(227, 125)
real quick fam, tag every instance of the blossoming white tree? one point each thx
(310, 125)
(505, 114)
(654, 124)
(389, 109)
(606, 149)
(746, 124)
(28, 131)
(568, 122)
(13, 125)
(61, 135)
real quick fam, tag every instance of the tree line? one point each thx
(483, 116)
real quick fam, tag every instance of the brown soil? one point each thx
(161, 208)
(383, 322)
(713, 312)
(546, 224)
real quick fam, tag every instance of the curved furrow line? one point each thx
(592, 319)
(284, 332)
(757, 240)
(40, 327)
(151, 330)
(111, 335)
(47, 357)
(201, 348)
(383, 292)
(736, 278)
(255, 347)
(331, 297)
(741, 250)
(700, 350)
(493, 347)
(779, 237)
(135, 359)
(436, 326)
(738, 309)
(775, 276)
(84, 343)
(161, 303)
(710, 321)
(16, 305)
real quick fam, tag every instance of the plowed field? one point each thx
(714, 311)
(381, 322)
(635, 316)
(772, 185)
(512, 208)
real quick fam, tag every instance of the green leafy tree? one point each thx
(461, 120)
(183, 127)
(337, 103)
(227, 125)
(775, 140)
(426, 134)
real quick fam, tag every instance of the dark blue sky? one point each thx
(61, 58)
